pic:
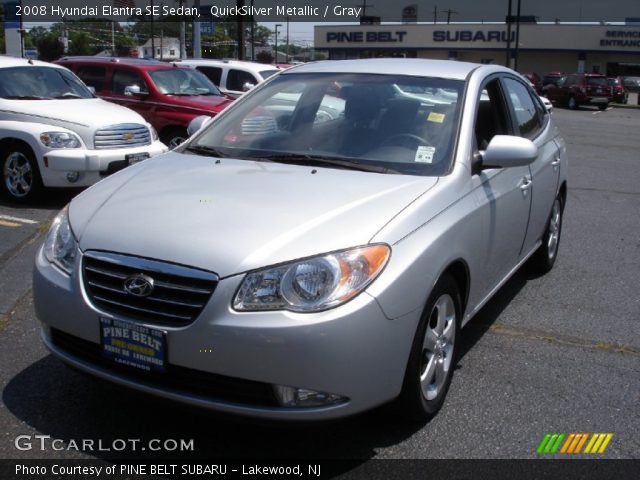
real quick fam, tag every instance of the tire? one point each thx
(21, 182)
(545, 257)
(433, 354)
(603, 106)
(572, 103)
(174, 136)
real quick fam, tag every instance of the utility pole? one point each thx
(287, 54)
(450, 12)
(435, 14)
(183, 37)
(113, 39)
(515, 63)
(241, 56)
(253, 31)
(197, 46)
(153, 40)
(276, 52)
(508, 59)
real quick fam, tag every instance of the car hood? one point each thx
(72, 113)
(236, 215)
(210, 103)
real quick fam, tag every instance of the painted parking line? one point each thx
(4, 223)
(9, 218)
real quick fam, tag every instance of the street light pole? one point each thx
(508, 60)
(275, 60)
(515, 63)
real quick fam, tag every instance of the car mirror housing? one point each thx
(197, 123)
(133, 91)
(506, 151)
(247, 86)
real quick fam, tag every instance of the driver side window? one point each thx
(491, 118)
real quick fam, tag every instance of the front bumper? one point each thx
(353, 351)
(92, 165)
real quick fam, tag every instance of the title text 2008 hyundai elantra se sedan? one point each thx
(314, 250)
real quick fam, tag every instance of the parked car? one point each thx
(233, 77)
(306, 270)
(580, 89)
(535, 80)
(552, 78)
(545, 101)
(167, 95)
(55, 133)
(619, 92)
(631, 84)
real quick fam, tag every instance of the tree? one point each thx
(261, 35)
(80, 44)
(50, 48)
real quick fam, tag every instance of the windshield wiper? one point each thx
(204, 150)
(320, 161)
(68, 95)
(26, 97)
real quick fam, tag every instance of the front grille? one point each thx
(180, 379)
(124, 135)
(179, 293)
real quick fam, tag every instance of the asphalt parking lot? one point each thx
(557, 353)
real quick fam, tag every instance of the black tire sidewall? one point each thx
(172, 133)
(412, 402)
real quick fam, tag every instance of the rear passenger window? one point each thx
(126, 78)
(213, 73)
(237, 78)
(528, 117)
(92, 76)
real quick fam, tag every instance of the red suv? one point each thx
(580, 89)
(166, 95)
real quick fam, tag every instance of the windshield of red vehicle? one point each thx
(402, 123)
(182, 81)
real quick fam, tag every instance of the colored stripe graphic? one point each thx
(573, 443)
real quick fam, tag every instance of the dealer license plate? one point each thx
(135, 157)
(128, 343)
(599, 100)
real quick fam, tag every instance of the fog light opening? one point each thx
(73, 177)
(304, 397)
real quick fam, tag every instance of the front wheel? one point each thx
(545, 257)
(572, 103)
(433, 355)
(20, 176)
(603, 106)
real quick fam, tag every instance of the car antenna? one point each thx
(30, 62)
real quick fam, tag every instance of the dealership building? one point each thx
(609, 49)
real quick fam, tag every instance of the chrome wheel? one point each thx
(437, 347)
(572, 103)
(18, 175)
(554, 230)
(175, 141)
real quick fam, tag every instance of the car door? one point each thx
(502, 195)
(125, 77)
(533, 123)
(236, 80)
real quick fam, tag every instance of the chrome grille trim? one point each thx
(113, 136)
(180, 293)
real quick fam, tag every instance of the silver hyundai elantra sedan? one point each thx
(314, 250)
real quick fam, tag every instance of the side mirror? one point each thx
(247, 86)
(132, 91)
(91, 89)
(506, 151)
(197, 124)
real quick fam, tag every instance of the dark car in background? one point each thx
(535, 80)
(552, 78)
(619, 92)
(578, 89)
(631, 84)
(168, 96)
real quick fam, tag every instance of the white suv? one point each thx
(233, 77)
(54, 132)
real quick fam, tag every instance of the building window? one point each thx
(172, 52)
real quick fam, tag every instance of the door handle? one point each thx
(556, 163)
(525, 185)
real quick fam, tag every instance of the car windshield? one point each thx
(267, 73)
(613, 82)
(597, 81)
(41, 83)
(552, 79)
(385, 123)
(183, 81)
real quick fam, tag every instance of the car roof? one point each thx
(9, 61)
(393, 66)
(142, 63)
(253, 66)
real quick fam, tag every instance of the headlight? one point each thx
(60, 245)
(154, 133)
(60, 140)
(312, 284)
